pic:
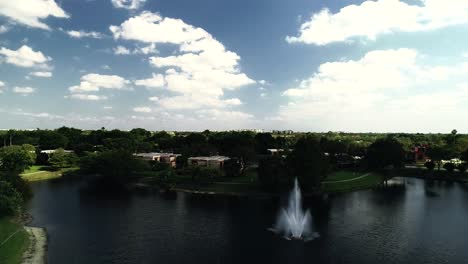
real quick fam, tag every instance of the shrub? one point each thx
(462, 167)
(11, 200)
(449, 166)
(430, 165)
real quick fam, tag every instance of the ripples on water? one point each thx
(411, 221)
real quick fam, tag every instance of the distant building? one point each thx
(283, 132)
(168, 158)
(216, 162)
(51, 151)
(418, 153)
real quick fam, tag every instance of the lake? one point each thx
(411, 222)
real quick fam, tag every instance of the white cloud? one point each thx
(145, 50)
(107, 107)
(382, 91)
(105, 67)
(199, 72)
(153, 28)
(128, 4)
(2, 84)
(157, 81)
(150, 49)
(93, 82)
(24, 90)
(3, 29)
(84, 34)
(154, 98)
(372, 18)
(41, 74)
(31, 12)
(142, 109)
(222, 115)
(25, 57)
(87, 97)
(121, 50)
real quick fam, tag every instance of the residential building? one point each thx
(216, 162)
(168, 158)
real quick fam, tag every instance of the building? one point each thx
(417, 154)
(216, 162)
(51, 151)
(168, 158)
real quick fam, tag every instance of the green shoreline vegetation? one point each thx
(15, 241)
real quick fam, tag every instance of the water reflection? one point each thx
(408, 221)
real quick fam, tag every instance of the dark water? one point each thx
(415, 222)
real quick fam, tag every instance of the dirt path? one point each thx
(36, 253)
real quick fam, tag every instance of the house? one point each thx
(418, 153)
(216, 162)
(168, 158)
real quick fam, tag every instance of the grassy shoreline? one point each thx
(40, 173)
(15, 241)
(337, 182)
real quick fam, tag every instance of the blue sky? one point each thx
(357, 66)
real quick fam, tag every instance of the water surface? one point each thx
(416, 222)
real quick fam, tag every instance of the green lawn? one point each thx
(342, 175)
(12, 250)
(39, 173)
(350, 182)
(35, 168)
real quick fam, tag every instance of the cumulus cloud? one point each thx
(31, 12)
(93, 82)
(156, 81)
(128, 4)
(84, 34)
(3, 29)
(145, 50)
(23, 90)
(200, 71)
(121, 50)
(41, 74)
(87, 97)
(142, 109)
(372, 18)
(25, 57)
(378, 92)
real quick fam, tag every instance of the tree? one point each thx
(430, 165)
(14, 160)
(272, 172)
(307, 162)
(263, 142)
(449, 166)
(115, 166)
(385, 152)
(49, 139)
(11, 200)
(61, 159)
(232, 168)
(462, 167)
(437, 153)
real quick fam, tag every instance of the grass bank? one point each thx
(40, 173)
(13, 241)
(345, 181)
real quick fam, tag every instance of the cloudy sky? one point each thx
(306, 65)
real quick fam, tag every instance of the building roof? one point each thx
(156, 154)
(211, 158)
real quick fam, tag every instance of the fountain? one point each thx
(293, 222)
